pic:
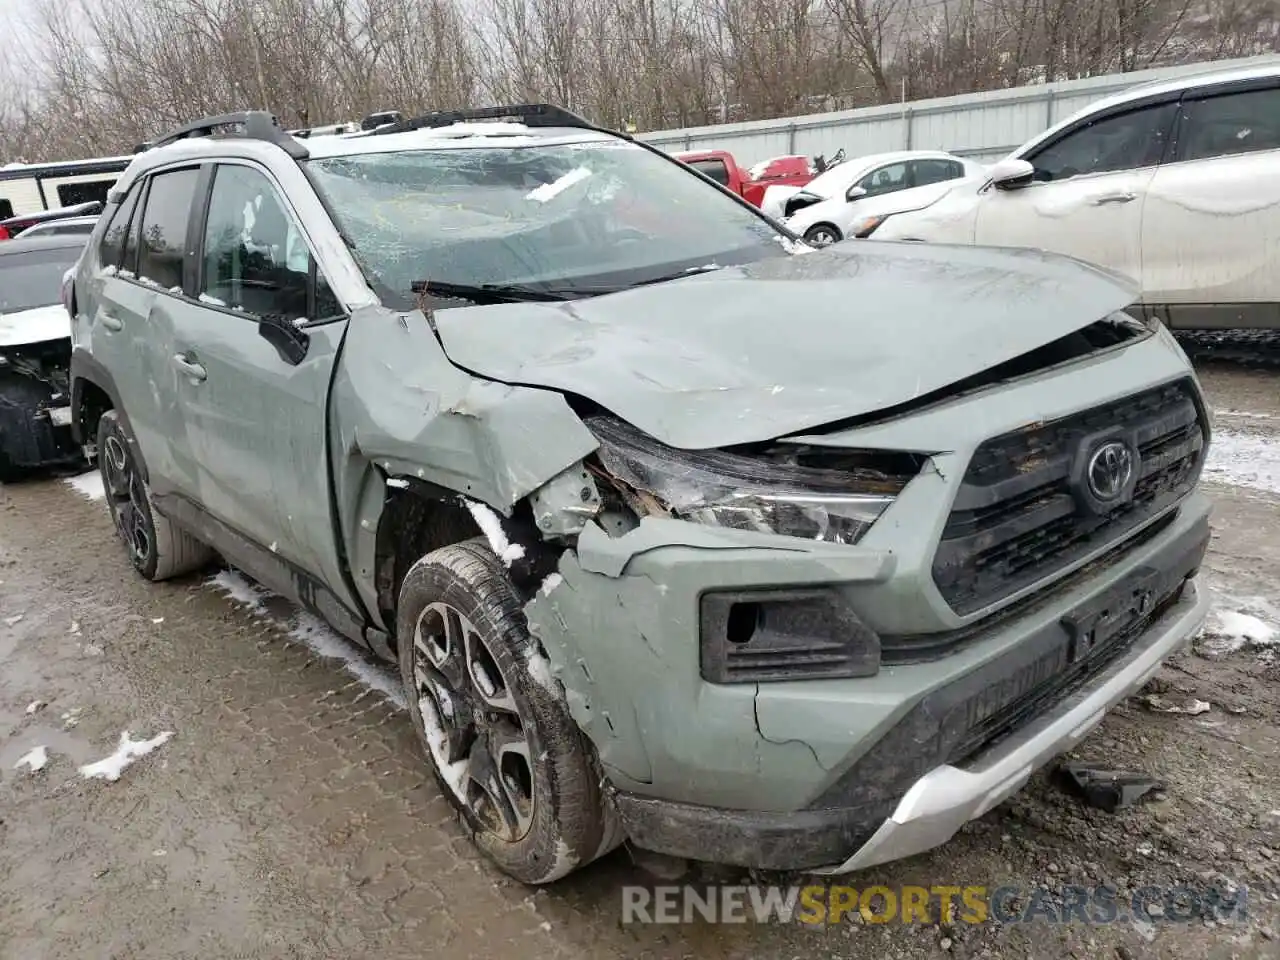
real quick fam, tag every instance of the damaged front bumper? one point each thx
(837, 775)
(35, 408)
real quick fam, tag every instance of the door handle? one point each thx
(188, 367)
(1114, 198)
(111, 322)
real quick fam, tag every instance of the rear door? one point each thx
(255, 410)
(1088, 191)
(1210, 227)
(143, 249)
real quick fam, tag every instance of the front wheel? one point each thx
(157, 549)
(822, 235)
(493, 722)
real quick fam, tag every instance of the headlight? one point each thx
(834, 518)
(779, 493)
(867, 226)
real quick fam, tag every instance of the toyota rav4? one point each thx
(678, 530)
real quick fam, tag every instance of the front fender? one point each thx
(399, 407)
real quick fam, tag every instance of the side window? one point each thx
(255, 256)
(112, 245)
(715, 169)
(1127, 141)
(71, 194)
(935, 171)
(1230, 124)
(163, 238)
(885, 180)
(327, 304)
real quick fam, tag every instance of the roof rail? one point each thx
(256, 124)
(530, 114)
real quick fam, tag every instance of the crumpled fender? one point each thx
(398, 403)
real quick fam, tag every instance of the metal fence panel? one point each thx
(985, 126)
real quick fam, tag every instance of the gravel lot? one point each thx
(290, 814)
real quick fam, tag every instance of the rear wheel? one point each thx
(157, 549)
(493, 722)
(822, 235)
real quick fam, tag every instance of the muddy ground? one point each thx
(290, 814)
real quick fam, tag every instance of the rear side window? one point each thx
(1229, 124)
(112, 244)
(1127, 141)
(163, 237)
(715, 169)
(936, 171)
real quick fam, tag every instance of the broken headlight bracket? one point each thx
(756, 636)
(743, 492)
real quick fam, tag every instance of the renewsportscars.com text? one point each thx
(946, 903)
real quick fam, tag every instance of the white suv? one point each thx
(1173, 183)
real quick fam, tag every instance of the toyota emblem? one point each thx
(1110, 471)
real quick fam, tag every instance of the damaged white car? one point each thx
(35, 354)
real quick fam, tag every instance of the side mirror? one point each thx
(290, 340)
(1011, 173)
(855, 193)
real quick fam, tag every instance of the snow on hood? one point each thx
(746, 354)
(34, 326)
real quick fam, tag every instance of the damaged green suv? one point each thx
(679, 531)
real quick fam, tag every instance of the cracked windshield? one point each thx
(573, 218)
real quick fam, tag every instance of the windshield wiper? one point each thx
(486, 292)
(649, 281)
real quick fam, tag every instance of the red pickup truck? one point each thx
(751, 183)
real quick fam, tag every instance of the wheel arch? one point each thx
(828, 225)
(419, 517)
(93, 393)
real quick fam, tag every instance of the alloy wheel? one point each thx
(126, 497)
(475, 730)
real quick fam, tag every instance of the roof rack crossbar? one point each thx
(530, 114)
(256, 124)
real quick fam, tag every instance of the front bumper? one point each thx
(35, 424)
(944, 799)
(955, 751)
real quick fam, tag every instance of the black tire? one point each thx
(571, 822)
(157, 549)
(822, 235)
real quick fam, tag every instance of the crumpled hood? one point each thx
(34, 326)
(747, 354)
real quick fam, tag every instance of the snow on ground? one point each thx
(35, 759)
(1239, 622)
(1244, 460)
(88, 485)
(312, 631)
(111, 767)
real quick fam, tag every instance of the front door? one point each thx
(1087, 193)
(256, 415)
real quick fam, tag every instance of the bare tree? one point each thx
(111, 73)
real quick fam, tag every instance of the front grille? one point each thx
(1016, 521)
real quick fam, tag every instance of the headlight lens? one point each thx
(833, 518)
(744, 492)
(867, 226)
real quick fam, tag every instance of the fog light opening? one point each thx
(742, 622)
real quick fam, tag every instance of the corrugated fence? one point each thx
(985, 126)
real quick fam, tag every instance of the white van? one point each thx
(36, 187)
